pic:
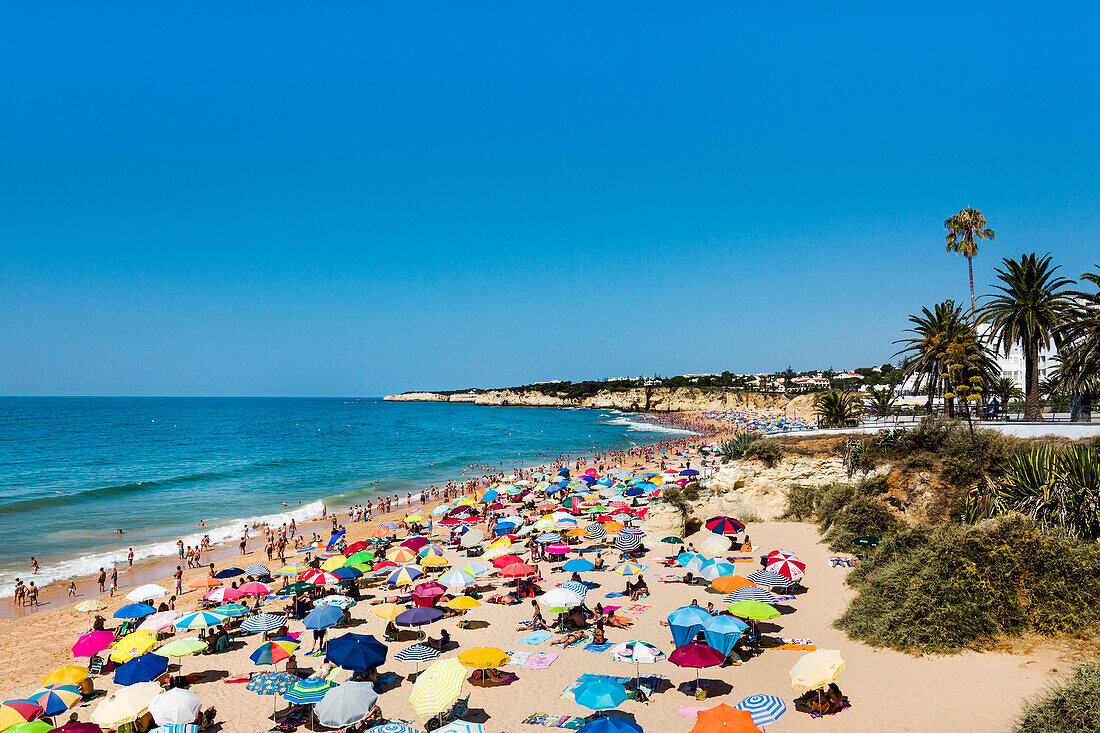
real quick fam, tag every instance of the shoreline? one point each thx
(53, 596)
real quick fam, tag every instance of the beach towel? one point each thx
(779, 642)
(517, 659)
(575, 644)
(598, 648)
(541, 660)
(786, 598)
(615, 595)
(637, 608)
(318, 653)
(571, 722)
(741, 558)
(534, 638)
(690, 712)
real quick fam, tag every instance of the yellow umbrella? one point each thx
(386, 611)
(500, 542)
(434, 561)
(133, 645)
(438, 687)
(125, 704)
(495, 552)
(333, 563)
(67, 675)
(464, 501)
(401, 555)
(463, 603)
(483, 657)
(815, 670)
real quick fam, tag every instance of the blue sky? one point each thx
(259, 199)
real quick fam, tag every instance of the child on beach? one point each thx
(72, 589)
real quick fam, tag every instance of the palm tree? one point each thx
(964, 230)
(1028, 310)
(836, 410)
(1082, 325)
(1005, 390)
(881, 401)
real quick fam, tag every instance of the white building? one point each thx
(1013, 366)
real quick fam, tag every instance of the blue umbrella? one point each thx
(600, 694)
(611, 724)
(348, 573)
(722, 632)
(489, 496)
(322, 617)
(392, 728)
(418, 616)
(228, 573)
(503, 527)
(632, 491)
(578, 565)
(686, 622)
(334, 539)
(141, 669)
(135, 610)
(764, 709)
(359, 652)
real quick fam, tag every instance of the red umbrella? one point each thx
(696, 655)
(415, 543)
(505, 560)
(255, 589)
(355, 547)
(426, 594)
(93, 643)
(320, 577)
(384, 564)
(782, 553)
(791, 569)
(517, 570)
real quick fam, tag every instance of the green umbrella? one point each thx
(753, 610)
(359, 558)
(297, 588)
(670, 540)
(866, 541)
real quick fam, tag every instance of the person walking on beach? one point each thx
(102, 580)
(130, 557)
(72, 589)
(114, 581)
(34, 566)
(244, 544)
(177, 580)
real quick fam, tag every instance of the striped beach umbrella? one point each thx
(595, 531)
(724, 525)
(768, 579)
(319, 577)
(628, 569)
(404, 575)
(764, 709)
(402, 555)
(712, 569)
(417, 654)
(199, 620)
(308, 691)
(459, 579)
(572, 585)
(274, 651)
(750, 593)
(258, 571)
(262, 622)
(789, 568)
(56, 699)
(232, 610)
(392, 728)
(292, 570)
(627, 542)
(781, 553)
(438, 687)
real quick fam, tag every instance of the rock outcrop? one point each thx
(660, 399)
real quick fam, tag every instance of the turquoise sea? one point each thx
(73, 470)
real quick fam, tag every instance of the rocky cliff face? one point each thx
(656, 399)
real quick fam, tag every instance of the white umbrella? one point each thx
(458, 579)
(160, 621)
(347, 704)
(146, 593)
(560, 598)
(125, 704)
(715, 545)
(176, 706)
(473, 538)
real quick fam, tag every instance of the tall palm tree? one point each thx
(964, 230)
(1082, 325)
(1004, 389)
(1029, 310)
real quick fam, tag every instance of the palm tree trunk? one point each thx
(1032, 411)
(970, 266)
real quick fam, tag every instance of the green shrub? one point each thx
(873, 485)
(1069, 707)
(736, 446)
(802, 502)
(967, 458)
(768, 451)
(832, 499)
(860, 516)
(691, 491)
(674, 496)
(957, 586)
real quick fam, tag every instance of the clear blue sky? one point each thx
(285, 199)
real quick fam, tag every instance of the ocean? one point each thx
(75, 470)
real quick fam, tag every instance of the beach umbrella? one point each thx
(434, 561)
(401, 555)
(361, 557)
(357, 652)
(750, 593)
(175, 707)
(579, 588)
(518, 570)
(125, 704)
(416, 654)
(293, 570)
(78, 728)
(600, 693)
(386, 611)
(438, 687)
(715, 544)
(255, 588)
(722, 632)
(691, 561)
(816, 669)
(223, 595)
(503, 561)
(671, 540)
(337, 601)
(560, 598)
(713, 569)
(89, 606)
(274, 651)
(764, 709)
(461, 726)
(753, 610)
(144, 668)
(134, 610)
(459, 579)
(93, 643)
(70, 674)
(724, 719)
(183, 647)
(319, 577)
(308, 691)
(16, 712)
(404, 575)
(463, 603)
(686, 622)
(793, 570)
(628, 569)
(56, 699)
(133, 645)
(781, 553)
(610, 724)
(323, 617)
(204, 583)
(229, 573)
(258, 571)
(595, 531)
(392, 728)
(232, 610)
(199, 620)
(578, 565)
(724, 525)
(295, 588)
(346, 704)
(38, 726)
(476, 569)
(418, 616)
(730, 583)
(271, 683)
(483, 657)
(696, 655)
(768, 579)
(636, 652)
(627, 542)
(146, 593)
(262, 623)
(425, 594)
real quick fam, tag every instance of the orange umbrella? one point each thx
(204, 583)
(578, 532)
(730, 583)
(380, 532)
(612, 527)
(724, 719)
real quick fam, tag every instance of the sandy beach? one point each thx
(887, 690)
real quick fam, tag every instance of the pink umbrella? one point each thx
(93, 643)
(557, 549)
(517, 570)
(223, 595)
(791, 569)
(426, 594)
(415, 543)
(255, 588)
(696, 655)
